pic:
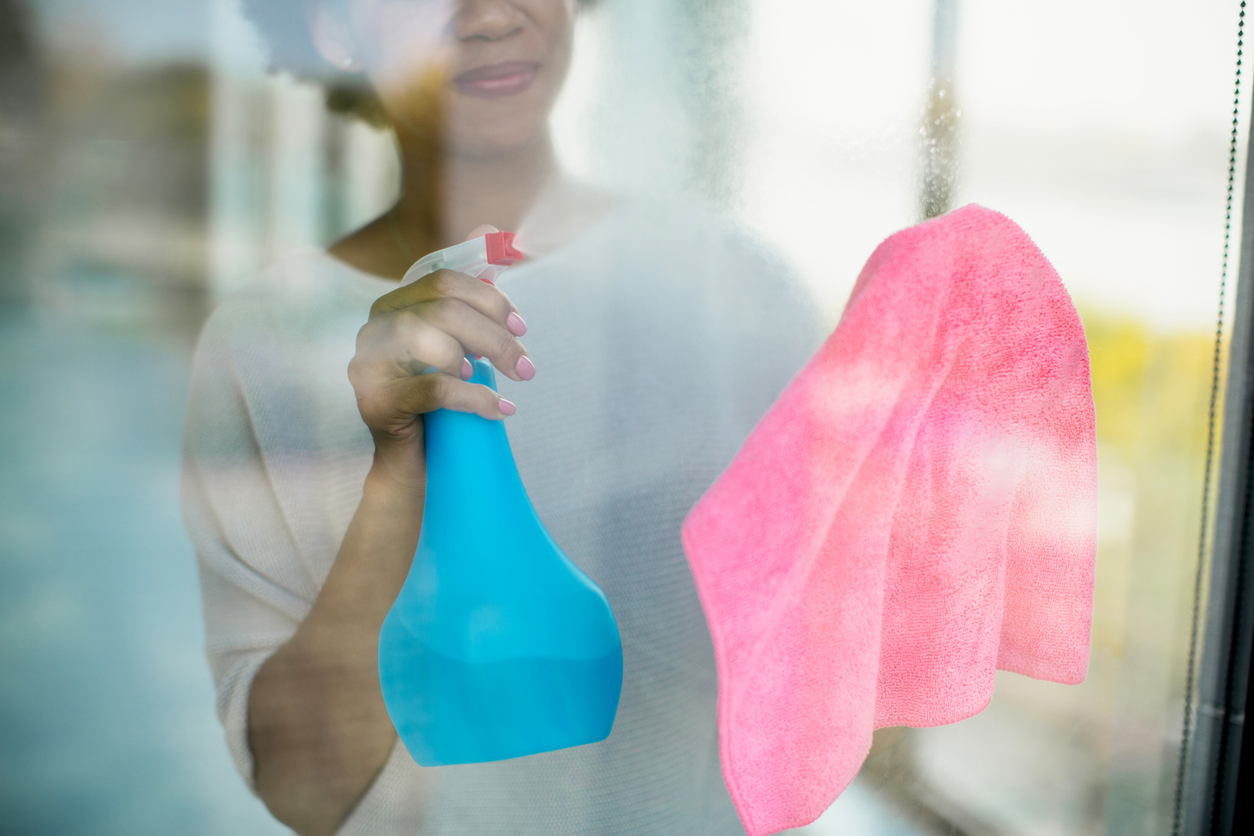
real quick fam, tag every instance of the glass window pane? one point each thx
(696, 163)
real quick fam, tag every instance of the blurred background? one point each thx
(149, 165)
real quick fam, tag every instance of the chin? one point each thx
(493, 138)
(478, 126)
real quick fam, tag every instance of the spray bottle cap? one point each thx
(501, 249)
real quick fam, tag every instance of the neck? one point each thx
(444, 196)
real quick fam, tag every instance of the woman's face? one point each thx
(483, 73)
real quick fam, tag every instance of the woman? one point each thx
(654, 339)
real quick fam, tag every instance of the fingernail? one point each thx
(525, 368)
(468, 371)
(516, 325)
(506, 407)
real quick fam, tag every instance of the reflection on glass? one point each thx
(615, 428)
(151, 168)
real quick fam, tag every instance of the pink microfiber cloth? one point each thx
(917, 509)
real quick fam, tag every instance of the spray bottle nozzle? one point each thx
(501, 249)
(486, 258)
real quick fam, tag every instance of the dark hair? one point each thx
(284, 28)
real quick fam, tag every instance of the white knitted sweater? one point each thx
(660, 337)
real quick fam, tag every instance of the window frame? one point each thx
(1216, 792)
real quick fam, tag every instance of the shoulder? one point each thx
(302, 312)
(735, 271)
(682, 246)
(296, 293)
(307, 297)
(688, 232)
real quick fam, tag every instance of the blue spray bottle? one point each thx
(497, 646)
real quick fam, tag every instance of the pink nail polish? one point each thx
(507, 407)
(525, 368)
(516, 325)
(468, 371)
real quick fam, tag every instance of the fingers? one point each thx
(437, 333)
(410, 356)
(403, 344)
(479, 335)
(486, 298)
(387, 372)
(421, 346)
(429, 392)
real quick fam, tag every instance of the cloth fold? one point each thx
(916, 510)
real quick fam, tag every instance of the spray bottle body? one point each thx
(497, 646)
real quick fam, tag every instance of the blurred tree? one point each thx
(21, 98)
(124, 230)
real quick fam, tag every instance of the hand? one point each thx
(411, 360)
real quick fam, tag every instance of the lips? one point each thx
(497, 80)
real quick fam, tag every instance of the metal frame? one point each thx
(1217, 800)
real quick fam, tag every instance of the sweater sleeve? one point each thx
(246, 553)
